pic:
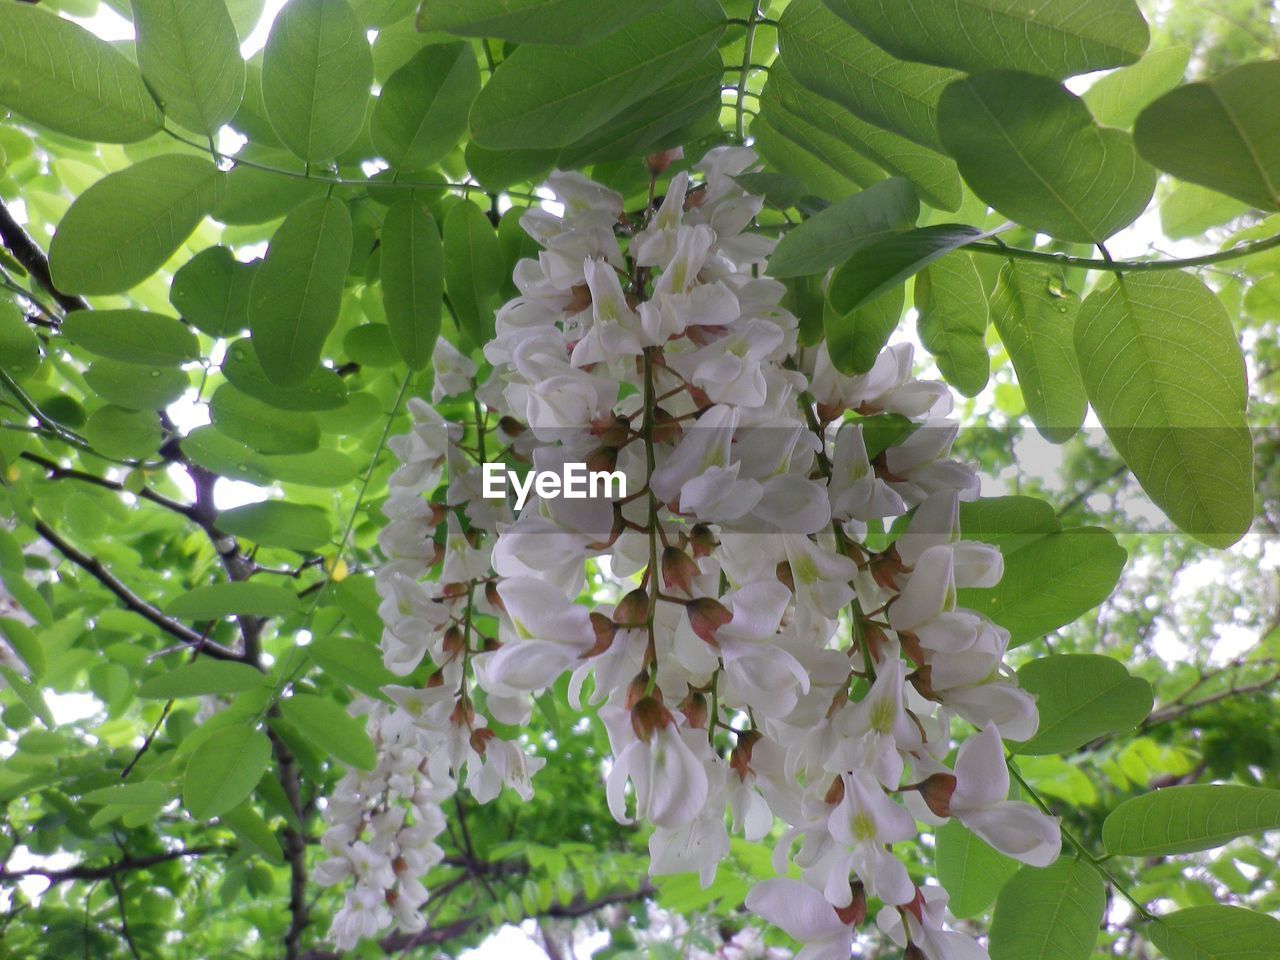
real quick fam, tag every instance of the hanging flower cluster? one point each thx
(772, 653)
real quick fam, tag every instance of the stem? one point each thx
(1125, 266)
(1081, 849)
(465, 188)
(748, 44)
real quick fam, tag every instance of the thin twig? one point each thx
(95, 568)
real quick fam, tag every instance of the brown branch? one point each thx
(295, 849)
(96, 569)
(55, 471)
(434, 936)
(106, 871)
(32, 258)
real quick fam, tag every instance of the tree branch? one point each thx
(106, 871)
(27, 253)
(295, 849)
(1124, 266)
(434, 936)
(95, 568)
(55, 471)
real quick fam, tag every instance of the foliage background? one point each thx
(116, 494)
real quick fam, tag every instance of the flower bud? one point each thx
(493, 597)
(679, 570)
(611, 430)
(706, 616)
(740, 758)
(666, 428)
(579, 299)
(937, 790)
(785, 576)
(633, 609)
(454, 641)
(856, 912)
(694, 708)
(605, 630)
(637, 689)
(603, 459)
(659, 162)
(702, 540)
(648, 716)
(480, 739)
(511, 426)
(835, 792)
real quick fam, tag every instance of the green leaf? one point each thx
(412, 271)
(952, 324)
(249, 826)
(473, 269)
(123, 228)
(147, 793)
(29, 694)
(1049, 580)
(297, 291)
(59, 75)
(216, 600)
(316, 73)
(1035, 313)
(557, 22)
(836, 233)
(1028, 147)
(1215, 932)
(544, 97)
(421, 113)
(829, 169)
(224, 770)
(654, 121)
(131, 335)
(26, 643)
(1164, 372)
(353, 661)
(274, 523)
(1185, 819)
(1189, 210)
(855, 338)
(204, 677)
(1116, 99)
(970, 869)
(878, 267)
(321, 390)
(123, 434)
(136, 386)
(1081, 697)
(256, 196)
(19, 344)
(1054, 39)
(331, 728)
(190, 56)
(1048, 914)
(829, 57)
(1220, 133)
(211, 291)
(823, 127)
(232, 459)
(260, 426)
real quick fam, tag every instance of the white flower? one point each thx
(980, 801)
(924, 928)
(669, 778)
(805, 915)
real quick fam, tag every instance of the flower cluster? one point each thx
(779, 649)
(382, 824)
